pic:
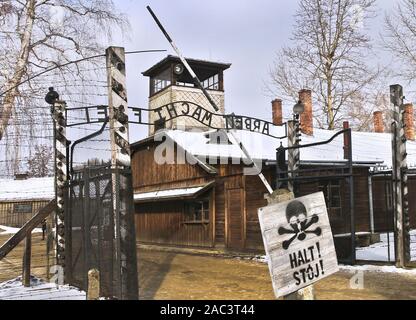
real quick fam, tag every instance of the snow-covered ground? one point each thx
(14, 290)
(379, 269)
(5, 231)
(380, 251)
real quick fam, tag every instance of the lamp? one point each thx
(299, 108)
(52, 96)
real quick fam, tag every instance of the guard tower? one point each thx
(170, 82)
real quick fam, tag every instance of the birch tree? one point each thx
(36, 35)
(400, 37)
(328, 55)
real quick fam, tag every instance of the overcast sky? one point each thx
(245, 33)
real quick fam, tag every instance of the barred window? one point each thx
(332, 192)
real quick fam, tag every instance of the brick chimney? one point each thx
(347, 142)
(378, 122)
(409, 121)
(277, 106)
(306, 119)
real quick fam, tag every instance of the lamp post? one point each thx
(58, 109)
(298, 109)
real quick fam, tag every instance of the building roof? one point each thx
(369, 149)
(162, 65)
(35, 189)
(171, 194)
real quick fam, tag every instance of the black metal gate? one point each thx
(307, 180)
(91, 229)
(385, 222)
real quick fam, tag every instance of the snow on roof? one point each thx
(167, 194)
(368, 148)
(35, 189)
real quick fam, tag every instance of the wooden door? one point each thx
(235, 219)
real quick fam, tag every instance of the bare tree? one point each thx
(400, 37)
(327, 56)
(40, 164)
(35, 36)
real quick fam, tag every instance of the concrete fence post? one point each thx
(93, 285)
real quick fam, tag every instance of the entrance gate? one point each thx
(95, 220)
(91, 228)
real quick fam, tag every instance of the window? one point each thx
(159, 85)
(197, 212)
(161, 82)
(23, 208)
(212, 83)
(332, 192)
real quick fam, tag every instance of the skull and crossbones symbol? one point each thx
(297, 217)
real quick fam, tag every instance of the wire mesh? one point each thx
(91, 228)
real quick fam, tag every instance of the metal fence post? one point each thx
(349, 154)
(281, 168)
(121, 162)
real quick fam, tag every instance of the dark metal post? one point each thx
(291, 154)
(121, 162)
(348, 141)
(86, 225)
(281, 168)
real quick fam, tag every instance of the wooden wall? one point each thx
(236, 200)
(148, 175)
(164, 223)
(342, 224)
(255, 192)
(16, 220)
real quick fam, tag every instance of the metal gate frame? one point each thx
(391, 214)
(284, 175)
(90, 222)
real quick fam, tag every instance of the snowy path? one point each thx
(380, 251)
(14, 290)
(5, 231)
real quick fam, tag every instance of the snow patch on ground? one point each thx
(380, 251)
(379, 269)
(39, 290)
(354, 269)
(5, 231)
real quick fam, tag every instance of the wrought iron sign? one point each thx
(172, 111)
(86, 115)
